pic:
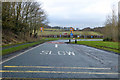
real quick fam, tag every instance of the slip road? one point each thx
(59, 60)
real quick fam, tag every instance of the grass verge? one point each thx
(14, 49)
(12, 44)
(109, 46)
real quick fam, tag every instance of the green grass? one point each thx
(110, 46)
(12, 44)
(13, 49)
(52, 29)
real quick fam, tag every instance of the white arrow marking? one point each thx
(56, 45)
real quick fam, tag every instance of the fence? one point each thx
(75, 36)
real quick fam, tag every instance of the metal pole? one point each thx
(75, 40)
(69, 40)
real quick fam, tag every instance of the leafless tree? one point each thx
(23, 17)
(111, 26)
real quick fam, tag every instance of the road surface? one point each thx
(57, 59)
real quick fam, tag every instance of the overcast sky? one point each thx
(77, 13)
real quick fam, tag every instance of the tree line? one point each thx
(23, 18)
(111, 31)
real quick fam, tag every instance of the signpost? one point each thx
(91, 36)
(78, 36)
(71, 30)
(60, 36)
(71, 34)
(41, 29)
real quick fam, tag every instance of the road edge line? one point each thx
(19, 54)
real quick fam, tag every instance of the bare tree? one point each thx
(111, 26)
(119, 21)
(23, 17)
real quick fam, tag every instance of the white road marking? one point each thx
(94, 57)
(70, 53)
(56, 45)
(50, 52)
(20, 54)
(45, 52)
(58, 53)
(61, 53)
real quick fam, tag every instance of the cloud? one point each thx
(77, 13)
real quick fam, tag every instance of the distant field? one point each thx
(53, 29)
(58, 32)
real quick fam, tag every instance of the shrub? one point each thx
(107, 39)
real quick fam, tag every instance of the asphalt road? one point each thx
(60, 60)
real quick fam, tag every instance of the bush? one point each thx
(35, 35)
(107, 39)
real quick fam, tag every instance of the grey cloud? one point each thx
(78, 13)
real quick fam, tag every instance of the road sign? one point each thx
(91, 36)
(60, 35)
(41, 29)
(71, 34)
(71, 29)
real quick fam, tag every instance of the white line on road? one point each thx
(56, 45)
(94, 57)
(61, 53)
(20, 54)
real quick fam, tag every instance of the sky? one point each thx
(78, 13)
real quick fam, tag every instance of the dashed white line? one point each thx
(94, 57)
(56, 45)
